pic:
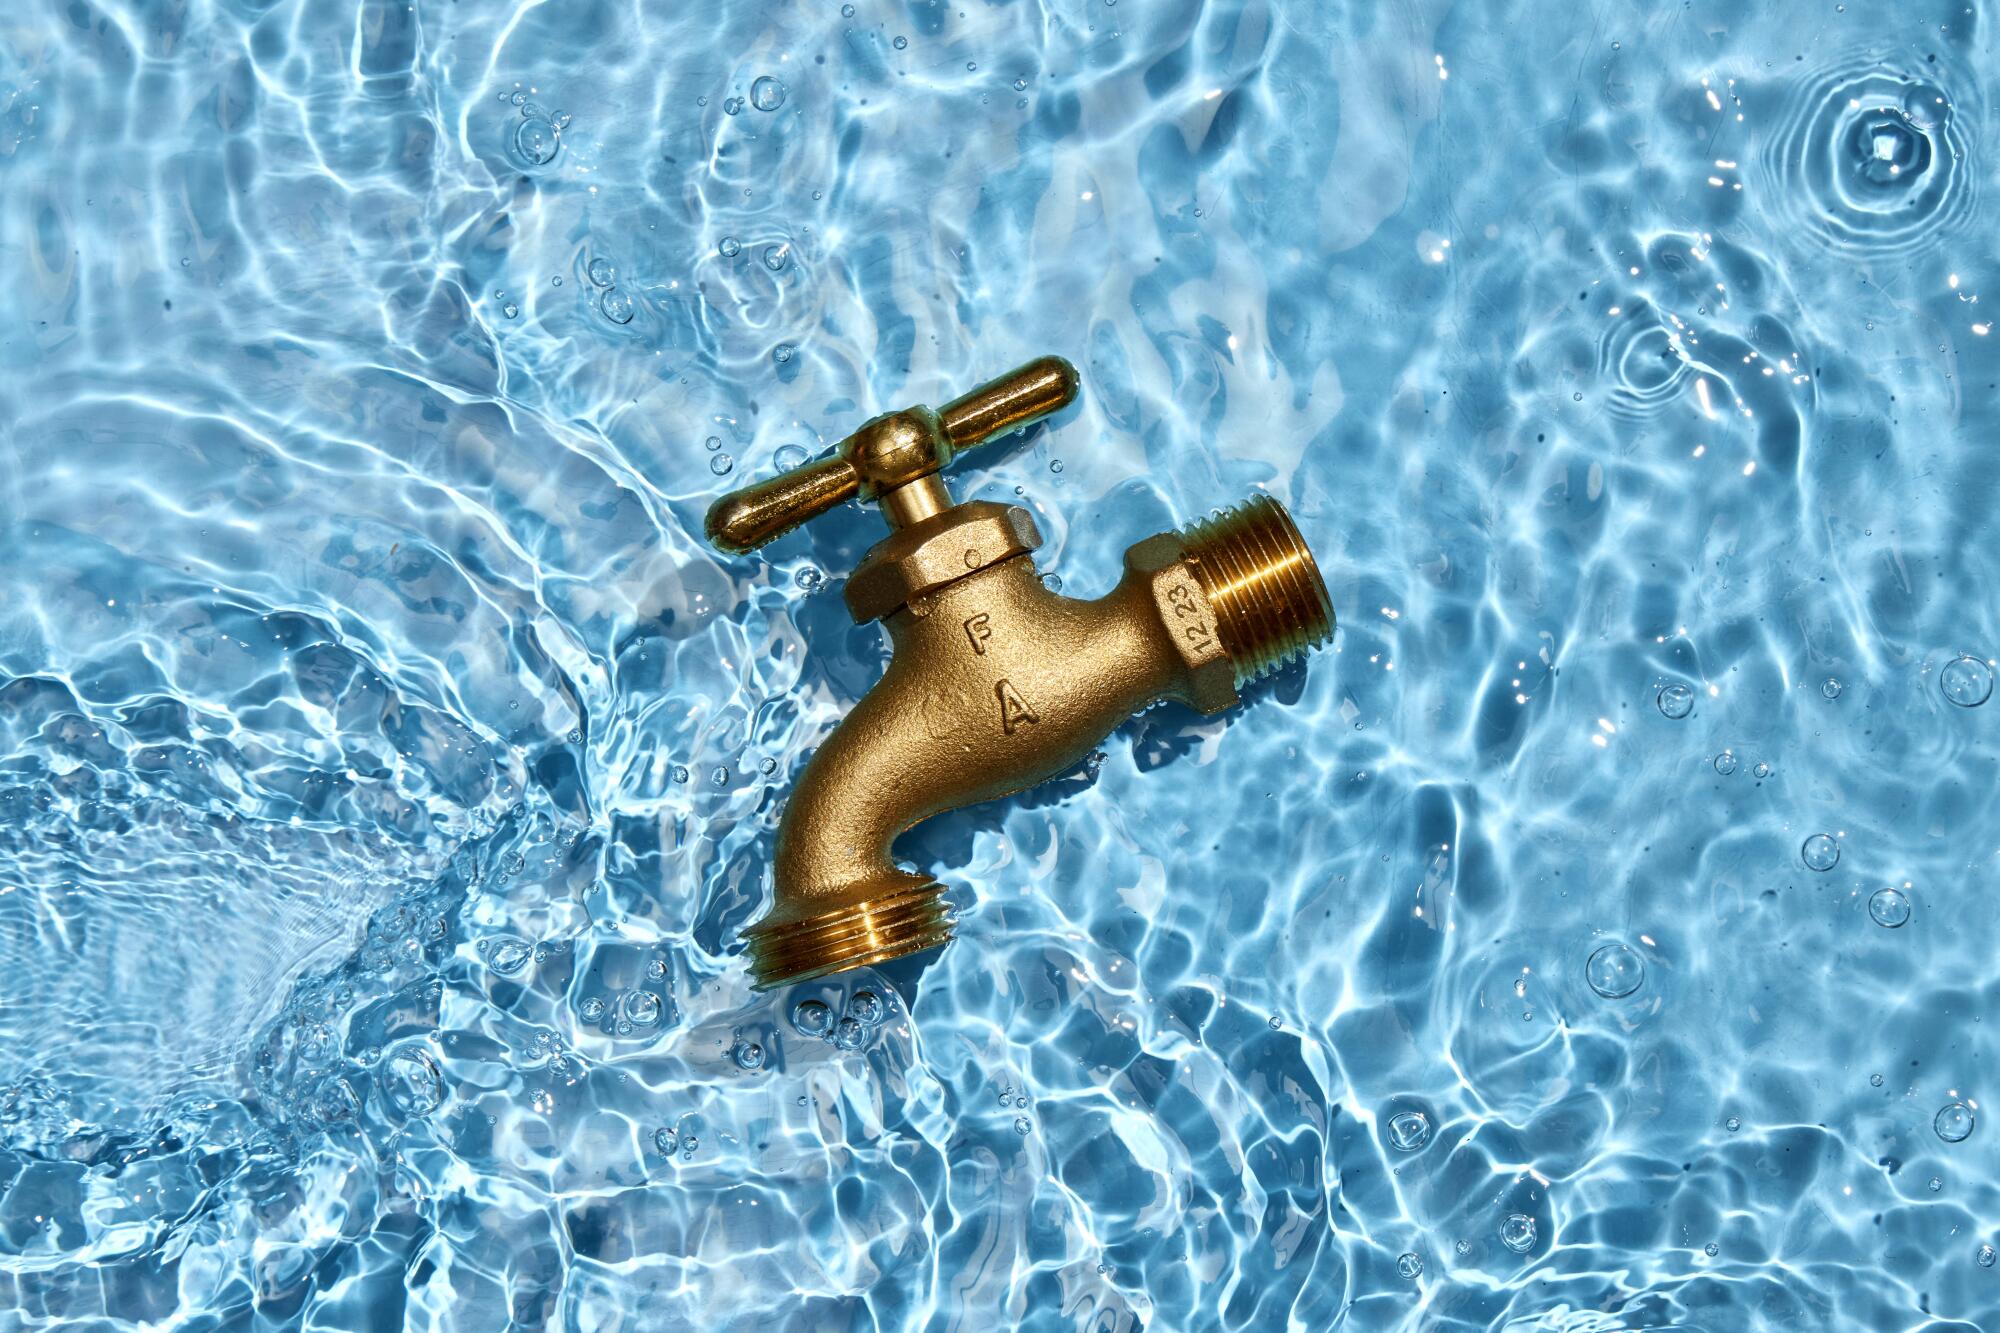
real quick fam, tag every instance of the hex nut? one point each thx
(939, 550)
(1188, 618)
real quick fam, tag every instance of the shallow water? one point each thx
(387, 768)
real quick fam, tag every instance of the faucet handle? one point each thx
(893, 459)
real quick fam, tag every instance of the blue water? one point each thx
(387, 767)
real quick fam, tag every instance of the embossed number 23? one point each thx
(1185, 606)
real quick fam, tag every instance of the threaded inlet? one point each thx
(1270, 601)
(869, 932)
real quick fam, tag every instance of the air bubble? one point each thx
(617, 306)
(1711, 1249)
(720, 464)
(783, 352)
(657, 968)
(1936, 1184)
(681, 774)
(729, 247)
(768, 767)
(1874, 1080)
(850, 1035)
(667, 1139)
(1055, 465)
(1021, 1125)
(1410, 1266)
(602, 272)
(1830, 688)
(749, 1055)
(777, 256)
(511, 311)
(767, 94)
(1966, 681)
(1725, 763)
(1614, 971)
(812, 1018)
(1409, 1130)
(1984, 1256)
(809, 579)
(1517, 1233)
(1732, 1124)
(1761, 772)
(410, 1080)
(1954, 1122)
(509, 956)
(1889, 907)
(1676, 700)
(641, 1008)
(592, 1009)
(537, 141)
(900, 43)
(1820, 852)
(712, 443)
(733, 106)
(847, 11)
(789, 456)
(866, 1006)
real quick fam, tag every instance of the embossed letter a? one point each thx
(1014, 710)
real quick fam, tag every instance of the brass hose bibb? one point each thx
(995, 683)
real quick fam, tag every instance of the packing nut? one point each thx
(938, 550)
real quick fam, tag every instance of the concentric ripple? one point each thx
(1873, 158)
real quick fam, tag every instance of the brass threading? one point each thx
(861, 935)
(1271, 604)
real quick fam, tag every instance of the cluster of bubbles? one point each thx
(861, 1018)
(671, 1139)
(538, 137)
(613, 301)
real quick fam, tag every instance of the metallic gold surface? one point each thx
(889, 453)
(994, 682)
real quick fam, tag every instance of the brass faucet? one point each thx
(995, 682)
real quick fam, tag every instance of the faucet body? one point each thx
(996, 683)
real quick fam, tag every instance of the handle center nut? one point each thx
(938, 550)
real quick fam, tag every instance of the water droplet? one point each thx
(767, 94)
(847, 11)
(720, 464)
(812, 1018)
(616, 305)
(971, 65)
(409, 1078)
(866, 1006)
(1820, 852)
(1831, 688)
(749, 1055)
(1711, 1249)
(657, 968)
(790, 456)
(850, 1035)
(721, 775)
(556, 281)
(1936, 1184)
(1874, 1080)
(1761, 772)
(783, 352)
(667, 1139)
(1985, 1256)
(592, 1009)
(1676, 700)
(768, 767)
(519, 99)
(602, 272)
(1954, 1122)
(641, 1008)
(681, 775)
(900, 43)
(1055, 465)
(809, 579)
(508, 956)
(1732, 1124)
(1966, 681)
(1409, 1130)
(1411, 1266)
(1614, 971)
(712, 443)
(733, 105)
(729, 247)
(1889, 907)
(1517, 1233)
(1021, 1125)
(511, 311)
(777, 256)
(689, 1143)
(537, 141)
(1725, 763)
(1053, 582)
